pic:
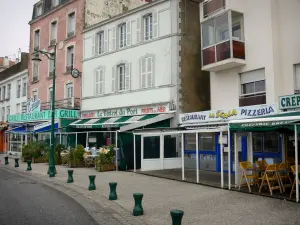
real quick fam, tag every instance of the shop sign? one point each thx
(43, 115)
(42, 125)
(128, 111)
(230, 114)
(289, 101)
(33, 105)
(260, 124)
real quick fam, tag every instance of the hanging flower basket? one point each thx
(105, 160)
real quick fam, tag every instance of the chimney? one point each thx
(6, 61)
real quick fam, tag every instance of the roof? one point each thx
(17, 68)
(2, 62)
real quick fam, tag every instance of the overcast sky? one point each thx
(14, 28)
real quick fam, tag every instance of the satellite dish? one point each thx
(60, 45)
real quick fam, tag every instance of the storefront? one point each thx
(115, 126)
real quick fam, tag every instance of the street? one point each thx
(23, 201)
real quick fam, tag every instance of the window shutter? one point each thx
(114, 38)
(143, 72)
(127, 76)
(97, 82)
(101, 81)
(93, 45)
(128, 33)
(138, 30)
(155, 24)
(297, 77)
(106, 40)
(113, 80)
(97, 43)
(149, 71)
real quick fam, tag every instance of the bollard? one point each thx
(138, 208)
(176, 216)
(113, 193)
(6, 160)
(16, 162)
(92, 182)
(29, 165)
(70, 176)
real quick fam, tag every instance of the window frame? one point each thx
(255, 92)
(67, 85)
(8, 91)
(100, 81)
(19, 87)
(37, 39)
(149, 18)
(122, 35)
(70, 60)
(51, 31)
(71, 15)
(54, 5)
(38, 6)
(4, 92)
(119, 66)
(144, 63)
(35, 71)
(35, 92)
(100, 43)
(24, 87)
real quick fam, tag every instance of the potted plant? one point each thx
(76, 157)
(105, 160)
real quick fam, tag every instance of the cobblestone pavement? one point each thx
(201, 204)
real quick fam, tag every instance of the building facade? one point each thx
(61, 23)
(5, 63)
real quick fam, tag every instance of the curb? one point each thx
(96, 205)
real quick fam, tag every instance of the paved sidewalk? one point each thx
(202, 205)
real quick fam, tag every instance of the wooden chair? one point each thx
(272, 178)
(262, 165)
(293, 168)
(247, 175)
(284, 175)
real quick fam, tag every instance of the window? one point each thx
(147, 76)
(99, 82)
(24, 81)
(257, 142)
(51, 67)
(121, 77)
(50, 94)
(189, 141)
(4, 92)
(18, 88)
(148, 27)
(207, 142)
(37, 39)
(253, 82)
(38, 9)
(266, 142)
(70, 59)
(71, 24)
(122, 35)
(8, 91)
(35, 75)
(18, 108)
(55, 3)
(3, 114)
(69, 90)
(7, 112)
(53, 33)
(297, 78)
(35, 95)
(100, 42)
(1, 94)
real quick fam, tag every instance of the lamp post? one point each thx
(36, 59)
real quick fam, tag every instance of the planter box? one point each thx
(40, 160)
(75, 164)
(105, 167)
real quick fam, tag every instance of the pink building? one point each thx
(60, 22)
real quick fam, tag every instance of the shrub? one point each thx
(76, 156)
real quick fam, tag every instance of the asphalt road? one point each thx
(24, 201)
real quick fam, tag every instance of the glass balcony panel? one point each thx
(208, 56)
(223, 51)
(238, 49)
(208, 29)
(221, 28)
(237, 26)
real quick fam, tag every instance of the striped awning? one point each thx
(132, 122)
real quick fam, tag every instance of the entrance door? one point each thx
(151, 153)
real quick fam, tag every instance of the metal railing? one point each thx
(68, 103)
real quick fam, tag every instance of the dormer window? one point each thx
(38, 9)
(55, 3)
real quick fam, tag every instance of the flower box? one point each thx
(105, 167)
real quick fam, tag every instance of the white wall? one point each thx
(271, 42)
(13, 101)
(161, 48)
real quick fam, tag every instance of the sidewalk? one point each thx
(201, 204)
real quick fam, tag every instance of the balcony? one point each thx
(35, 79)
(252, 100)
(212, 6)
(36, 48)
(223, 42)
(71, 34)
(52, 42)
(68, 103)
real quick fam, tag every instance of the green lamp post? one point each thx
(36, 59)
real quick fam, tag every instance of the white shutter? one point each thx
(93, 45)
(149, 71)
(138, 30)
(97, 43)
(252, 76)
(143, 72)
(101, 81)
(97, 82)
(113, 79)
(155, 24)
(297, 77)
(106, 40)
(128, 33)
(114, 39)
(127, 76)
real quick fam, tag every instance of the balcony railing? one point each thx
(68, 103)
(36, 48)
(35, 79)
(69, 69)
(50, 75)
(71, 34)
(52, 42)
(212, 6)
(252, 100)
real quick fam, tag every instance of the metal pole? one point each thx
(221, 153)
(142, 151)
(229, 160)
(51, 159)
(197, 158)
(117, 151)
(236, 159)
(296, 162)
(60, 138)
(75, 139)
(182, 155)
(134, 154)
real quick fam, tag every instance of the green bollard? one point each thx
(92, 182)
(48, 171)
(6, 160)
(70, 176)
(176, 216)
(113, 194)
(29, 165)
(138, 208)
(16, 162)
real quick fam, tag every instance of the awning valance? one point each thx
(124, 122)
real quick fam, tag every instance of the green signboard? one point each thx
(260, 124)
(43, 116)
(289, 101)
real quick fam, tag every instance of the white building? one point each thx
(250, 48)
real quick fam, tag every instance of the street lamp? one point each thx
(37, 60)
